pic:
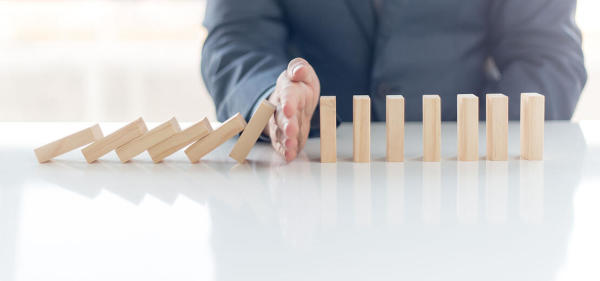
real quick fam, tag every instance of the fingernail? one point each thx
(298, 66)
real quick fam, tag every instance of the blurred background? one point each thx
(103, 60)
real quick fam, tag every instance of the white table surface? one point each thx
(267, 220)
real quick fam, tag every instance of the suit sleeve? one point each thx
(536, 46)
(244, 53)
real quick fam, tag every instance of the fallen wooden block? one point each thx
(151, 138)
(532, 126)
(228, 130)
(179, 140)
(362, 128)
(394, 126)
(432, 128)
(252, 132)
(120, 137)
(496, 123)
(71, 142)
(467, 120)
(328, 129)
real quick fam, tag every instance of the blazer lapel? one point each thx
(363, 13)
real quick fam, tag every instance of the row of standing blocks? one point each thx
(200, 138)
(532, 128)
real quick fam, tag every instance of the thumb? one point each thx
(299, 70)
(300, 73)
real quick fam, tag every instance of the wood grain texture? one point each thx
(532, 126)
(179, 140)
(328, 129)
(432, 128)
(69, 143)
(362, 129)
(394, 127)
(118, 138)
(151, 138)
(252, 132)
(467, 121)
(228, 130)
(496, 126)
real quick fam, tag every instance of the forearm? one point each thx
(537, 48)
(243, 54)
(236, 78)
(560, 82)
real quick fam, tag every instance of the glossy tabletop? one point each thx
(268, 220)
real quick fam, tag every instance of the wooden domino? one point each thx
(228, 130)
(71, 142)
(362, 129)
(496, 123)
(135, 147)
(252, 132)
(179, 140)
(328, 129)
(532, 126)
(467, 120)
(394, 127)
(120, 137)
(432, 124)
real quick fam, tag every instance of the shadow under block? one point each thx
(532, 126)
(432, 128)
(496, 126)
(328, 129)
(252, 132)
(228, 130)
(394, 126)
(135, 147)
(362, 128)
(467, 108)
(179, 140)
(118, 138)
(71, 142)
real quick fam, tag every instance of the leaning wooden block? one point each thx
(467, 119)
(362, 128)
(394, 125)
(496, 123)
(179, 140)
(120, 137)
(328, 129)
(68, 143)
(532, 126)
(432, 128)
(228, 130)
(151, 138)
(252, 132)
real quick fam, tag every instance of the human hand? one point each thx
(296, 96)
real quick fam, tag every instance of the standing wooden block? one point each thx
(255, 127)
(328, 129)
(467, 108)
(394, 126)
(362, 128)
(179, 140)
(68, 143)
(496, 123)
(135, 147)
(228, 129)
(532, 126)
(120, 137)
(432, 128)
